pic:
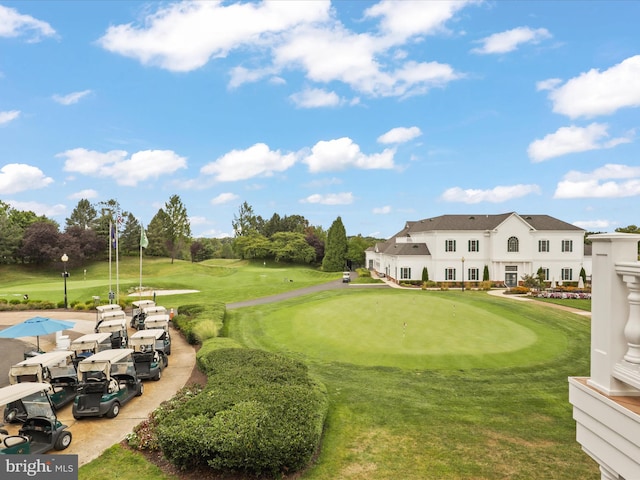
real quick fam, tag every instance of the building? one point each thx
(606, 405)
(457, 248)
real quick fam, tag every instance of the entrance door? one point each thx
(511, 279)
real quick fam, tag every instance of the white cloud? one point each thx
(315, 97)
(599, 93)
(284, 36)
(88, 193)
(140, 166)
(224, 198)
(198, 220)
(257, 160)
(399, 135)
(510, 40)
(382, 210)
(49, 211)
(184, 36)
(6, 117)
(609, 181)
(14, 24)
(343, 153)
(573, 139)
(71, 98)
(497, 194)
(345, 198)
(548, 84)
(593, 225)
(18, 177)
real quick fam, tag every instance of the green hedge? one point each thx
(259, 413)
(200, 322)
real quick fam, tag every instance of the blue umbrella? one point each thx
(36, 326)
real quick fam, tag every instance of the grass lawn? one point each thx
(500, 417)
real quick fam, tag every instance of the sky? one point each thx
(375, 112)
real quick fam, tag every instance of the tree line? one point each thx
(89, 231)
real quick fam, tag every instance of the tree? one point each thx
(316, 237)
(425, 274)
(485, 274)
(541, 276)
(254, 246)
(41, 243)
(356, 247)
(10, 235)
(177, 228)
(129, 237)
(156, 235)
(291, 247)
(583, 275)
(335, 253)
(84, 215)
(246, 222)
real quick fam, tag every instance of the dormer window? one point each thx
(513, 245)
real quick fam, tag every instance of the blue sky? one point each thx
(377, 112)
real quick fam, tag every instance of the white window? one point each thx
(567, 274)
(450, 274)
(473, 274)
(474, 245)
(450, 246)
(567, 245)
(405, 273)
(513, 244)
(543, 245)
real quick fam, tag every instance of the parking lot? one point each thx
(91, 436)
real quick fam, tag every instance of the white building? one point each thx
(456, 248)
(606, 405)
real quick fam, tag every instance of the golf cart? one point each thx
(89, 344)
(102, 309)
(106, 381)
(136, 312)
(55, 368)
(148, 353)
(160, 321)
(40, 431)
(118, 330)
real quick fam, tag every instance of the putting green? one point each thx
(410, 331)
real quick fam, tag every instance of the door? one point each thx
(511, 279)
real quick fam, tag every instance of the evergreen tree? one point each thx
(177, 228)
(129, 237)
(84, 215)
(425, 274)
(156, 233)
(485, 274)
(335, 252)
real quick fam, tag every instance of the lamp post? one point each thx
(462, 274)
(65, 274)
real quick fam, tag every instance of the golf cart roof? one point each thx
(154, 310)
(113, 314)
(159, 317)
(108, 308)
(112, 325)
(88, 341)
(13, 393)
(46, 359)
(146, 337)
(143, 303)
(112, 355)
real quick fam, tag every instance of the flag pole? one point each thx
(141, 236)
(117, 266)
(110, 242)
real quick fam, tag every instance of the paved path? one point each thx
(91, 436)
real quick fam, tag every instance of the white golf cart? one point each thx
(106, 381)
(148, 353)
(40, 431)
(55, 368)
(90, 344)
(136, 311)
(118, 330)
(160, 321)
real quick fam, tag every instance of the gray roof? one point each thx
(390, 247)
(482, 222)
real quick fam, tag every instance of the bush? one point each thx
(485, 285)
(363, 272)
(199, 322)
(517, 291)
(260, 413)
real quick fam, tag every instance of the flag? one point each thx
(113, 236)
(144, 241)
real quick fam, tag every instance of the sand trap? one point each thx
(151, 293)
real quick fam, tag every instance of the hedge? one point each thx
(200, 322)
(260, 413)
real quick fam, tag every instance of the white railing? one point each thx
(627, 369)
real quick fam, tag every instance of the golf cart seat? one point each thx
(8, 441)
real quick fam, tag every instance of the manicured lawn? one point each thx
(492, 419)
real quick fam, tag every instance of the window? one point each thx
(449, 273)
(543, 245)
(545, 273)
(567, 245)
(450, 246)
(474, 245)
(512, 244)
(405, 273)
(473, 274)
(567, 274)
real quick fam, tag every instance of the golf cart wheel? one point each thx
(141, 390)
(158, 375)
(114, 410)
(63, 441)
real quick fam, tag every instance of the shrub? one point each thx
(199, 322)
(260, 413)
(363, 272)
(517, 290)
(485, 285)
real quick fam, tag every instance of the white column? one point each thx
(628, 368)
(610, 310)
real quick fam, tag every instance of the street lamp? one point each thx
(65, 274)
(462, 274)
